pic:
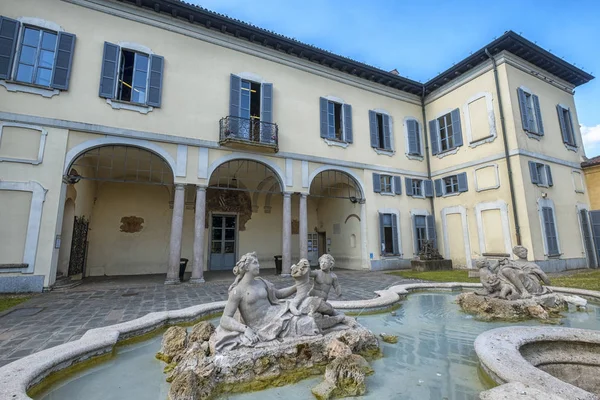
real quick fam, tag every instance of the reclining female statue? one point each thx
(262, 316)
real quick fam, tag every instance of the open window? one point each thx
(336, 120)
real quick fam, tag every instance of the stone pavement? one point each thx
(53, 318)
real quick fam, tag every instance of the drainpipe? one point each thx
(426, 137)
(506, 155)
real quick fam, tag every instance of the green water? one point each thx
(434, 359)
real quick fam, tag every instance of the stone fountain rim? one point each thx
(20, 375)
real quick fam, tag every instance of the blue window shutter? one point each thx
(538, 114)
(373, 129)
(376, 183)
(381, 234)
(157, 65)
(415, 237)
(64, 59)
(409, 188)
(235, 93)
(433, 135)
(439, 191)
(108, 75)
(387, 132)
(398, 185)
(395, 234)
(549, 175)
(430, 221)
(323, 112)
(562, 123)
(550, 231)
(456, 128)
(533, 172)
(9, 32)
(523, 107)
(428, 187)
(463, 185)
(266, 102)
(347, 123)
(413, 141)
(573, 141)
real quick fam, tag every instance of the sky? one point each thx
(422, 38)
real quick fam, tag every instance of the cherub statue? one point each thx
(325, 279)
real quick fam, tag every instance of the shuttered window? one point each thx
(388, 234)
(336, 120)
(380, 130)
(131, 76)
(541, 174)
(531, 115)
(413, 137)
(566, 125)
(446, 132)
(550, 231)
(44, 57)
(387, 184)
(451, 184)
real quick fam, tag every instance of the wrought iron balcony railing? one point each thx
(251, 131)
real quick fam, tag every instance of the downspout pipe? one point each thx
(511, 183)
(426, 137)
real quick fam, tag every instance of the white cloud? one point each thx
(590, 135)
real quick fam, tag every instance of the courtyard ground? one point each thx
(49, 319)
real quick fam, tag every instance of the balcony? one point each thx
(248, 134)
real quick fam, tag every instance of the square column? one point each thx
(364, 251)
(176, 231)
(303, 231)
(286, 252)
(199, 223)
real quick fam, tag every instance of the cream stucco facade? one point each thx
(147, 183)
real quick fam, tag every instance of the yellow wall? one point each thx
(592, 180)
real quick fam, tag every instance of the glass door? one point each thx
(223, 238)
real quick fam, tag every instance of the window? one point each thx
(550, 231)
(250, 111)
(531, 116)
(131, 76)
(420, 231)
(336, 120)
(43, 56)
(541, 174)
(446, 132)
(566, 125)
(380, 130)
(451, 184)
(386, 183)
(417, 187)
(388, 230)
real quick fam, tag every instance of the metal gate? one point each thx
(78, 246)
(595, 233)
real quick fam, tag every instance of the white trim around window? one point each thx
(541, 203)
(42, 145)
(493, 205)
(417, 212)
(421, 141)
(529, 134)
(579, 207)
(491, 118)
(578, 176)
(392, 149)
(495, 185)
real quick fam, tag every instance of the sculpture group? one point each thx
(512, 279)
(257, 311)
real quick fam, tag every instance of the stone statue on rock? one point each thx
(514, 290)
(266, 338)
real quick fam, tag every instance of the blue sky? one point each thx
(422, 38)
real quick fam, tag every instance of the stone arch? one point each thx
(360, 185)
(81, 148)
(268, 198)
(250, 157)
(259, 188)
(66, 235)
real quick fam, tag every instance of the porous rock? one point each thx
(541, 307)
(344, 377)
(201, 332)
(389, 338)
(335, 349)
(174, 343)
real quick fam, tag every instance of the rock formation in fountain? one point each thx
(264, 339)
(514, 290)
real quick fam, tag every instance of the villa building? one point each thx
(137, 132)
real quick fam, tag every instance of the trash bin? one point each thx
(182, 265)
(277, 265)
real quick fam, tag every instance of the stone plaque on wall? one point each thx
(131, 224)
(295, 227)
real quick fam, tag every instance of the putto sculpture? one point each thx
(513, 290)
(271, 336)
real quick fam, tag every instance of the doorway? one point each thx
(223, 242)
(313, 249)
(322, 243)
